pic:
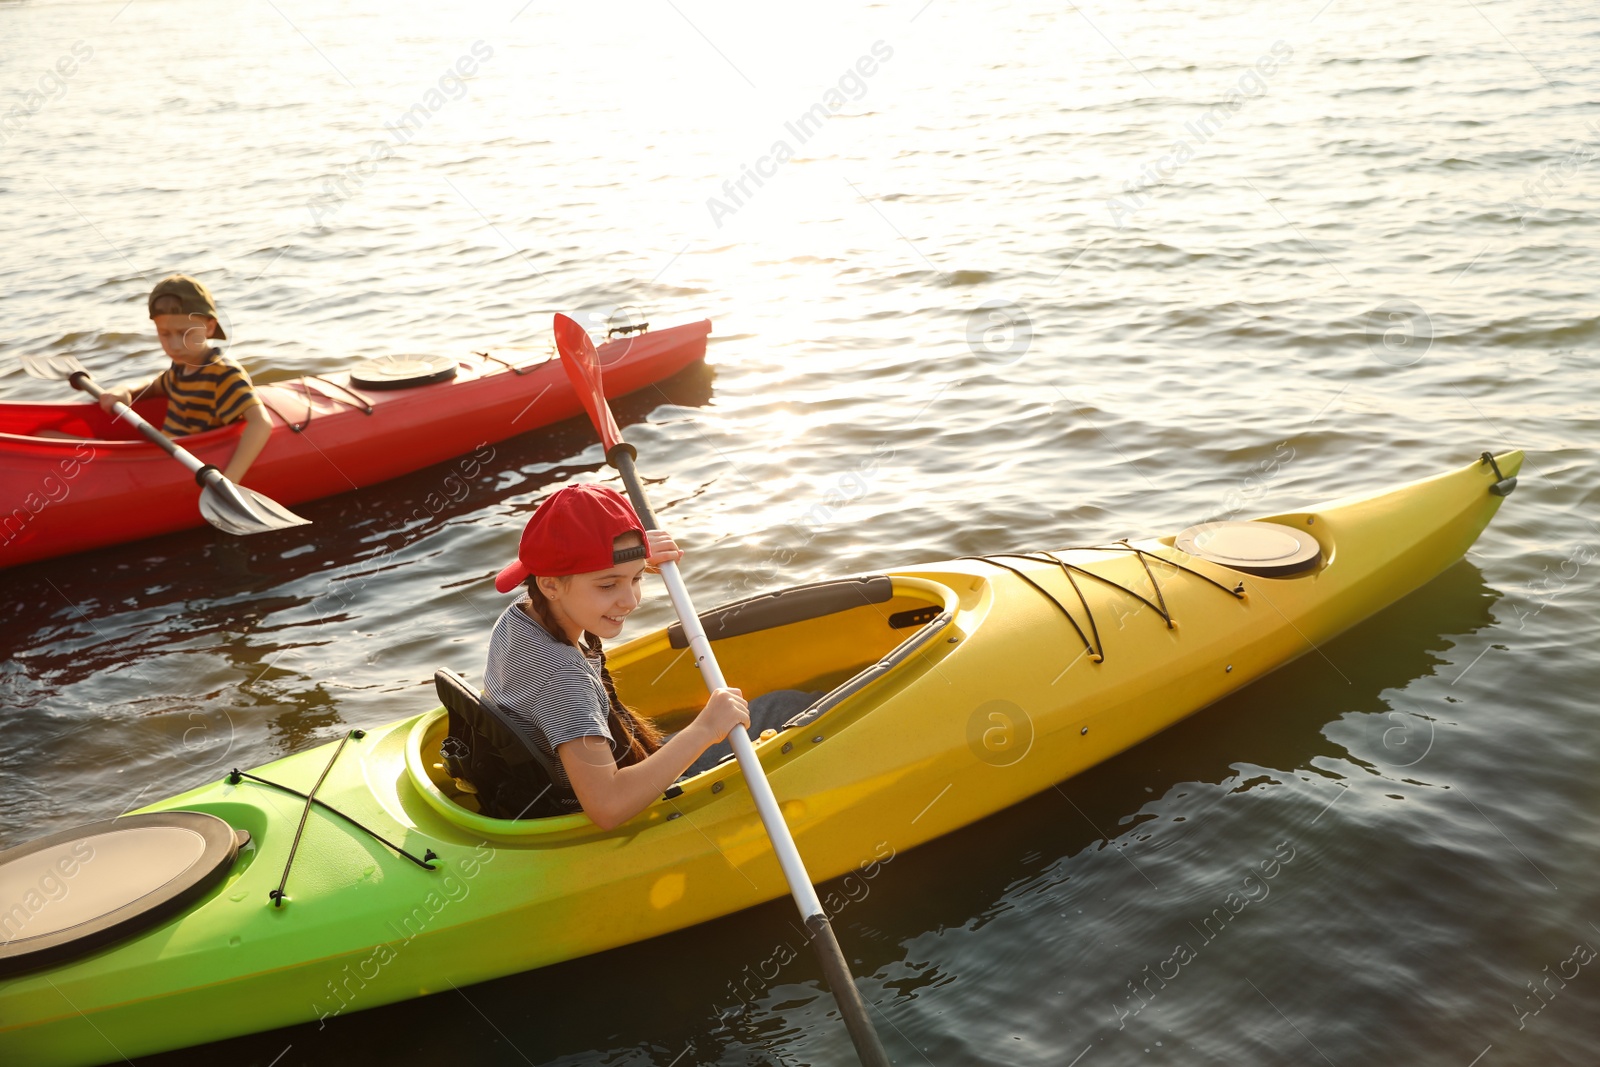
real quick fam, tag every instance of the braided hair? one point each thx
(633, 736)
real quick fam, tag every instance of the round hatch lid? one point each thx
(402, 372)
(71, 893)
(1265, 548)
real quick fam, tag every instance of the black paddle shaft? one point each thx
(869, 1048)
(621, 457)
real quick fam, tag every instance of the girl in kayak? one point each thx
(581, 561)
(204, 388)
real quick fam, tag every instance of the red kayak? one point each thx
(330, 433)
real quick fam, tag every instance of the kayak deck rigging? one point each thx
(364, 406)
(519, 370)
(1095, 647)
(278, 895)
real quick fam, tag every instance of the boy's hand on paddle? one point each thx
(114, 396)
(660, 548)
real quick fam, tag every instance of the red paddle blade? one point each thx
(582, 362)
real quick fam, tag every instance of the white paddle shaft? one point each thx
(794, 869)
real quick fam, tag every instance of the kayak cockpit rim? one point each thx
(903, 585)
(427, 732)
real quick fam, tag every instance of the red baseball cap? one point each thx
(572, 532)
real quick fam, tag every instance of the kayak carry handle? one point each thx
(1502, 486)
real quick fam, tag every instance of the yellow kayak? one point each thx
(953, 690)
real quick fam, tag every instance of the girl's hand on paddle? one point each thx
(113, 396)
(660, 548)
(725, 710)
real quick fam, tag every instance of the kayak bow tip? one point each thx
(1506, 466)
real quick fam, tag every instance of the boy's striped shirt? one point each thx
(210, 395)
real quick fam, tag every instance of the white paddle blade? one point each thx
(239, 511)
(51, 368)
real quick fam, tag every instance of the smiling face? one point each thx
(598, 601)
(185, 338)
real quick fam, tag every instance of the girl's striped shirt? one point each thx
(202, 398)
(539, 681)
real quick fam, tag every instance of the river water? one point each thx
(1044, 275)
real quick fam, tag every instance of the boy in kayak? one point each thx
(581, 560)
(204, 388)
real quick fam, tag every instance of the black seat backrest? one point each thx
(498, 755)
